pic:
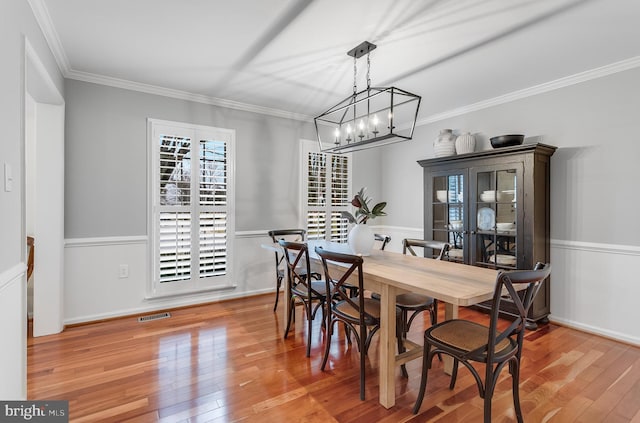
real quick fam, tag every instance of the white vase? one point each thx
(361, 239)
(465, 143)
(445, 144)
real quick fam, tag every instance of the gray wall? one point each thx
(17, 23)
(595, 171)
(595, 249)
(106, 160)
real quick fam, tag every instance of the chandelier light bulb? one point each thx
(375, 122)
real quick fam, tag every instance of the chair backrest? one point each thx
(290, 234)
(353, 264)
(296, 235)
(510, 281)
(441, 247)
(296, 255)
(384, 238)
(30, 256)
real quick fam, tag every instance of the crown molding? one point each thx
(567, 81)
(183, 95)
(43, 18)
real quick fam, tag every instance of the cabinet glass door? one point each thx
(496, 219)
(448, 223)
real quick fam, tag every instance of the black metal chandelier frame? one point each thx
(347, 118)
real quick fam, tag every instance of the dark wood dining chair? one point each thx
(468, 342)
(385, 239)
(417, 303)
(360, 315)
(312, 293)
(289, 235)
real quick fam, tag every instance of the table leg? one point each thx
(286, 300)
(450, 312)
(387, 333)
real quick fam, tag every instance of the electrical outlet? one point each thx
(123, 271)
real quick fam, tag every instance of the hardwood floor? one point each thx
(228, 362)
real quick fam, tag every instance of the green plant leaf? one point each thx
(347, 215)
(377, 209)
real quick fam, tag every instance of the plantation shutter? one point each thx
(326, 193)
(193, 199)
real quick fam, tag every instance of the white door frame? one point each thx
(47, 182)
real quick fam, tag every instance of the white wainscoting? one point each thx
(594, 287)
(13, 327)
(93, 290)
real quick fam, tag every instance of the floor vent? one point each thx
(154, 317)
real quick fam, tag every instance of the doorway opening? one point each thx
(43, 194)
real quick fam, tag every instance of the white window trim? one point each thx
(306, 147)
(154, 288)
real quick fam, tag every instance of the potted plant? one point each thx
(361, 237)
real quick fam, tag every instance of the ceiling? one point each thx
(289, 57)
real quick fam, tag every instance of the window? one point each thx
(326, 192)
(192, 198)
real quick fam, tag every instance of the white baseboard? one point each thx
(170, 303)
(616, 336)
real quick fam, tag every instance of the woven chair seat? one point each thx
(413, 300)
(466, 336)
(320, 287)
(409, 300)
(300, 270)
(371, 307)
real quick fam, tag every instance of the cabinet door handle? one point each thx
(473, 232)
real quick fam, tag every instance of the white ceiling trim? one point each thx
(43, 18)
(183, 95)
(567, 81)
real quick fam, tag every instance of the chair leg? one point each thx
(309, 326)
(454, 373)
(490, 385)
(363, 353)
(278, 285)
(292, 311)
(514, 367)
(423, 379)
(434, 312)
(327, 343)
(401, 337)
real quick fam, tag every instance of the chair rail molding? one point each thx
(596, 247)
(12, 274)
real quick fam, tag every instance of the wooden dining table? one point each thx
(389, 274)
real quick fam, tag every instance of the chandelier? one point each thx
(372, 117)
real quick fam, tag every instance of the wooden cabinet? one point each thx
(493, 208)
